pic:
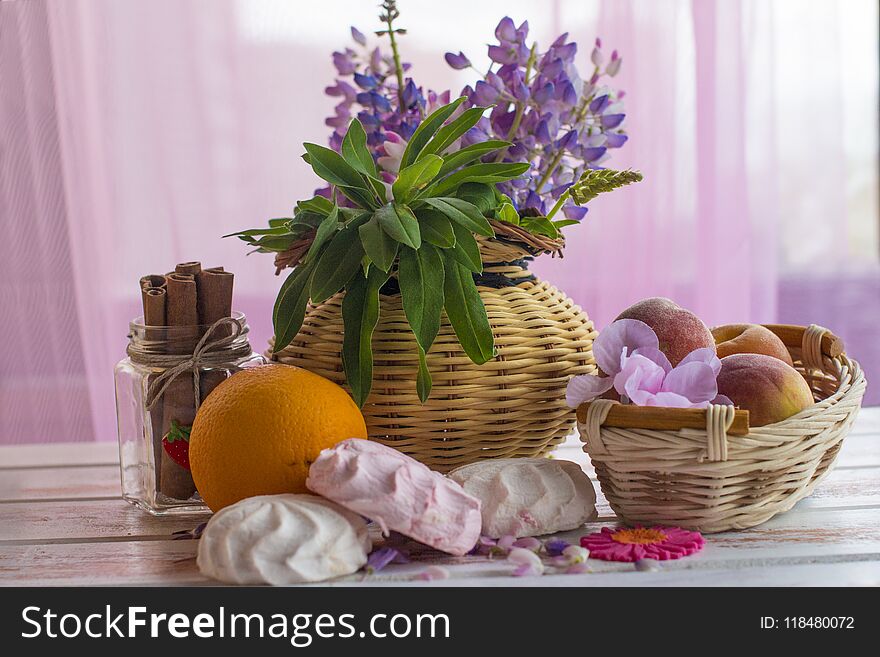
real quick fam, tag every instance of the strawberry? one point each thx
(176, 444)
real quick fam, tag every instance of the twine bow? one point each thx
(217, 353)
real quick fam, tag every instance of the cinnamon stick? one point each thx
(215, 302)
(179, 402)
(188, 268)
(153, 296)
(215, 294)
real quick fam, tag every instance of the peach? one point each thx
(749, 339)
(763, 385)
(679, 330)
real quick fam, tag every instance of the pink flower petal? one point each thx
(694, 380)
(638, 375)
(586, 387)
(527, 562)
(529, 543)
(668, 400)
(433, 572)
(705, 355)
(629, 333)
(506, 542)
(654, 354)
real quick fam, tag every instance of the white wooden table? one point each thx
(62, 522)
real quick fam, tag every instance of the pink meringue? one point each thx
(398, 493)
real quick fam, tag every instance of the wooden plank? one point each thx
(810, 539)
(84, 520)
(839, 574)
(53, 484)
(58, 455)
(92, 564)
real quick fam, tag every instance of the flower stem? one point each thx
(520, 105)
(388, 18)
(556, 206)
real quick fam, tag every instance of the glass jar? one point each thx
(156, 402)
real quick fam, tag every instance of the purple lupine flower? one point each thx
(557, 106)
(358, 36)
(383, 556)
(555, 546)
(343, 62)
(458, 61)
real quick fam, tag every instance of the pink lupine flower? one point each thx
(394, 146)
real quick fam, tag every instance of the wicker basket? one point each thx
(688, 467)
(514, 405)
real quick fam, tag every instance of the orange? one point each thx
(258, 432)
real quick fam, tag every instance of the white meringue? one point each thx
(528, 497)
(283, 539)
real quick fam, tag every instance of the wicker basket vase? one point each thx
(514, 405)
(688, 467)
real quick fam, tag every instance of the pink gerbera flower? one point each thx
(635, 543)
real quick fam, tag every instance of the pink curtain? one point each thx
(702, 226)
(134, 134)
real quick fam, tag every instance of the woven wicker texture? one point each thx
(514, 405)
(707, 480)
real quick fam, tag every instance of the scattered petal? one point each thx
(576, 553)
(528, 563)
(432, 573)
(529, 543)
(556, 546)
(380, 558)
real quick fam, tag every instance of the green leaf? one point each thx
(355, 151)
(466, 250)
(380, 247)
(479, 194)
(363, 197)
(360, 313)
(423, 379)
(332, 167)
(272, 242)
(253, 232)
(436, 228)
(400, 223)
(426, 130)
(463, 213)
(420, 276)
(491, 172)
(415, 177)
(290, 306)
(468, 154)
(466, 312)
(317, 204)
(562, 223)
(325, 231)
(506, 212)
(540, 226)
(453, 130)
(339, 261)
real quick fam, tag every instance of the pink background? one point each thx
(134, 134)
